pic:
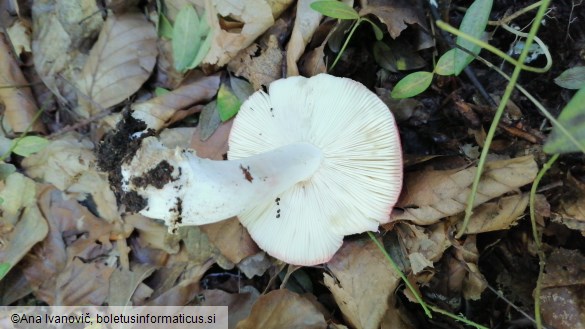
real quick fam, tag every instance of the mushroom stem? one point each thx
(183, 189)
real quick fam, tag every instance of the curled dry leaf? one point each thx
(119, 63)
(256, 15)
(362, 284)
(18, 102)
(306, 22)
(157, 112)
(21, 225)
(283, 309)
(431, 195)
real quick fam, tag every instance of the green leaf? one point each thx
(446, 64)
(228, 103)
(573, 78)
(474, 23)
(412, 85)
(377, 31)
(159, 91)
(29, 145)
(573, 119)
(165, 28)
(335, 9)
(6, 169)
(202, 51)
(186, 38)
(4, 269)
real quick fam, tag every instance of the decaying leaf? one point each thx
(260, 70)
(70, 164)
(20, 36)
(231, 238)
(563, 288)
(434, 194)
(60, 29)
(395, 14)
(283, 309)
(119, 62)
(424, 245)
(497, 215)
(18, 103)
(256, 15)
(21, 224)
(72, 265)
(124, 283)
(239, 305)
(306, 22)
(362, 283)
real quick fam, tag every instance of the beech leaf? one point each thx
(120, 61)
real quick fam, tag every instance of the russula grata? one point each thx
(310, 162)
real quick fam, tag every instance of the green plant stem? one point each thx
(536, 237)
(518, 63)
(354, 27)
(459, 318)
(536, 39)
(538, 105)
(498, 116)
(419, 299)
(402, 276)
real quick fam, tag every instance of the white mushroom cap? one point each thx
(358, 181)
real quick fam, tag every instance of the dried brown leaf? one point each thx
(55, 269)
(69, 163)
(260, 70)
(431, 195)
(395, 14)
(124, 283)
(563, 288)
(497, 215)
(283, 309)
(239, 305)
(216, 145)
(119, 63)
(187, 289)
(306, 22)
(60, 30)
(362, 284)
(21, 224)
(157, 112)
(231, 238)
(18, 102)
(256, 15)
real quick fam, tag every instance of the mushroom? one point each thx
(310, 162)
